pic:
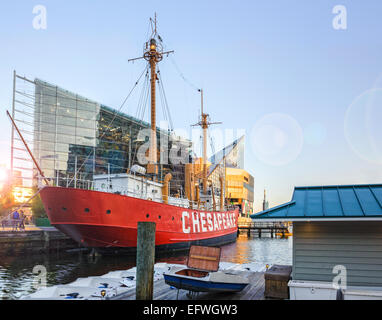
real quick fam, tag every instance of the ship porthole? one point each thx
(108, 211)
(63, 208)
(147, 215)
(172, 218)
(87, 210)
(159, 217)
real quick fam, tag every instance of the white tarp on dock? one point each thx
(116, 282)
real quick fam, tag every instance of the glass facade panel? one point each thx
(62, 147)
(85, 141)
(89, 124)
(66, 112)
(65, 138)
(47, 122)
(47, 136)
(46, 146)
(86, 115)
(67, 121)
(85, 132)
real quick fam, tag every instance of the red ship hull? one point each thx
(106, 220)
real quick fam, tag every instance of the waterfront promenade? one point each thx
(34, 239)
(28, 227)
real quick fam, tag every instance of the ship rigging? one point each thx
(153, 53)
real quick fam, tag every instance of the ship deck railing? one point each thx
(89, 185)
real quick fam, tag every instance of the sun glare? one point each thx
(3, 175)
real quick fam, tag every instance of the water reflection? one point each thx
(259, 250)
(17, 278)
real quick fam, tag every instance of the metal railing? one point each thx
(86, 184)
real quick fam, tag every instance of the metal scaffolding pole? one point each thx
(13, 116)
(75, 172)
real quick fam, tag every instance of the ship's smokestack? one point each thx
(165, 187)
(198, 196)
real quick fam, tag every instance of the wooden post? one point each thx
(259, 232)
(145, 260)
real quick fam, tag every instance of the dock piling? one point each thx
(145, 260)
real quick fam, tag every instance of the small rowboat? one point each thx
(202, 275)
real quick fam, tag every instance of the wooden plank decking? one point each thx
(162, 291)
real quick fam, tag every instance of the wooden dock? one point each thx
(162, 291)
(261, 228)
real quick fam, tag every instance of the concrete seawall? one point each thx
(40, 240)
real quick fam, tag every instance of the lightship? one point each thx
(108, 220)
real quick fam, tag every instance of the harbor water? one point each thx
(19, 275)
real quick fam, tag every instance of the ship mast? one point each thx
(153, 53)
(204, 123)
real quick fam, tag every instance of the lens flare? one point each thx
(3, 174)
(362, 126)
(21, 194)
(315, 133)
(277, 139)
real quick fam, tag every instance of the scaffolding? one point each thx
(23, 101)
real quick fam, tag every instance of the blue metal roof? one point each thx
(346, 201)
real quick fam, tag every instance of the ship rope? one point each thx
(165, 108)
(211, 143)
(182, 75)
(141, 108)
(142, 105)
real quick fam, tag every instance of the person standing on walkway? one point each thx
(15, 218)
(22, 219)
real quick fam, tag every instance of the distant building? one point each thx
(239, 189)
(265, 202)
(238, 183)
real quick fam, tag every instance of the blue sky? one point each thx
(277, 69)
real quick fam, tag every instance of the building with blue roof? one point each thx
(328, 203)
(334, 226)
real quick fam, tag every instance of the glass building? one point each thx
(74, 134)
(74, 138)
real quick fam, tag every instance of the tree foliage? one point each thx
(37, 207)
(7, 200)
